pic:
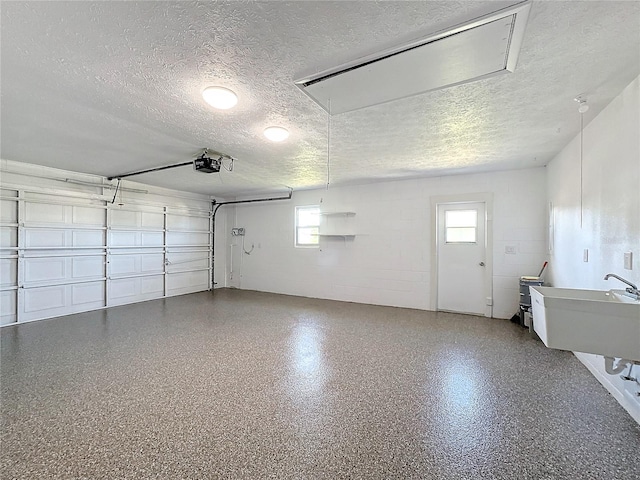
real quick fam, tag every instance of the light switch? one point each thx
(628, 260)
(585, 255)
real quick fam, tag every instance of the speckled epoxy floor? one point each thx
(253, 385)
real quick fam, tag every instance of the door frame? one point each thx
(487, 199)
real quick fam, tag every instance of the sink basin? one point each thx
(590, 321)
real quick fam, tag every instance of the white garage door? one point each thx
(62, 256)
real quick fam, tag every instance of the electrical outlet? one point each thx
(510, 249)
(628, 260)
(585, 255)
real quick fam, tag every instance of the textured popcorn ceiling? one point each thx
(111, 87)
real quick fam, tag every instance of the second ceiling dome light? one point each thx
(276, 134)
(220, 97)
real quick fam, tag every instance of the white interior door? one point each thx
(462, 257)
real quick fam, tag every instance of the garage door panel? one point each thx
(138, 289)
(133, 264)
(8, 304)
(152, 220)
(84, 267)
(87, 238)
(123, 288)
(8, 211)
(53, 301)
(8, 272)
(187, 260)
(152, 263)
(187, 282)
(152, 239)
(183, 222)
(137, 220)
(38, 252)
(152, 285)
(122, 239)
(55, 237)
(124, 218)
(88, 216)
(44, 298)
(48, 213)
(62, 269)
(85, 293)
(137, 251)
(37, 270)
(182, 238)
(44, 238)
(136, 239)
(122, 265)
(8, 237)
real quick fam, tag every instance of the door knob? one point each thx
(481, 264)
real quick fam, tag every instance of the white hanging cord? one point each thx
(582, 108)
(120, 203)
(115, 194)
(581, 148)
(329, 144)
(243, 249)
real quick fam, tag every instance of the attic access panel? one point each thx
(478, 49)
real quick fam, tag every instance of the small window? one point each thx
(307, 226)
(460, 226)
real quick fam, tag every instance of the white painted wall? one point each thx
(389, 260)
(610, 213)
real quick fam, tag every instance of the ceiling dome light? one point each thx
(220, 97)
(276, 134)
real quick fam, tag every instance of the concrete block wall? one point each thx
(389, 262)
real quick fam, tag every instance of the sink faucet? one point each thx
(632, 289)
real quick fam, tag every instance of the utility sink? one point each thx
(590, 321)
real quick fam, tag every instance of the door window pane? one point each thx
(461, 226)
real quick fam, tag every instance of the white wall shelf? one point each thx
(337, 224)
(341, 235)
(338, 214)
